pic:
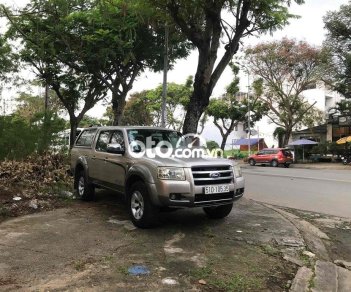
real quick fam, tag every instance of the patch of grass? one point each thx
(107, 259)
(238, 283)
(79, 265)
(270, 250)
(123, 270)
(202, 273)
(311, 283)
(305, 259)
(227, 282)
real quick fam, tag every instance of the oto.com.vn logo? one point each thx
(188, 146)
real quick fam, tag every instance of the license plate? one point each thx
(216, 189)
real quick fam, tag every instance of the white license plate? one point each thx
(216, 189)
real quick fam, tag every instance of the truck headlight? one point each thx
(237, 171)
(173, 173)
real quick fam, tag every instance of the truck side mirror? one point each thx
(115, 148)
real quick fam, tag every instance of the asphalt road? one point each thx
(317, 190)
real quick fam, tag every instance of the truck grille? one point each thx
(212, 175)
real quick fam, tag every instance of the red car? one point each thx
(272, 156)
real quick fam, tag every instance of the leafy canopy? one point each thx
(337, 49)
(285, 69)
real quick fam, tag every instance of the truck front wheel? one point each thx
(218, 212)
(141, 210)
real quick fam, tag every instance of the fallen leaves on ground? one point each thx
(39, 181)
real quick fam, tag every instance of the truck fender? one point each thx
(81, 164)
(141, 172)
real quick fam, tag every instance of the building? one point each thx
(336, 126)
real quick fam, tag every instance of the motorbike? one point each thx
(346, 159)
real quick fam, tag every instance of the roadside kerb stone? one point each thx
(302, 280)
(312, 235)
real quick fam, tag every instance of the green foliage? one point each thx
(89, 121)
(8, 60)
(20, 138)
(286, 68)
(328, 148)
(212, 145)
(202, 23)
(144, 108)
(337, 49)
(45, 35)
(279, 133)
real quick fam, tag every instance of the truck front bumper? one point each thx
(185, 194)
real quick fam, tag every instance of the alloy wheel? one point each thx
(137, 205)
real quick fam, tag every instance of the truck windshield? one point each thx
(157, 136)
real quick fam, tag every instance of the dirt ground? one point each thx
(14, 202)
(92, 246)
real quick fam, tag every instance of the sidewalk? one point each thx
(322, 165)
(91, 247)
(316, 165)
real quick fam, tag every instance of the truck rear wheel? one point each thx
(218, 212)
(141, 210)
(85, 190)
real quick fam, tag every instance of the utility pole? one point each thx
(165, 71)
(248, 108)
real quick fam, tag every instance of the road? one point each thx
(324, 191)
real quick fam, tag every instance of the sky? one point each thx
(308, 27)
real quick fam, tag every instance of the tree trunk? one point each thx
(118, 104)
(287, 136)
(224, 140)
(192, 117)
(199, 99)
(74, 125)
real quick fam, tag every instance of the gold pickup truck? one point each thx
(153, 169)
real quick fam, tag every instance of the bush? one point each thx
(20, 138)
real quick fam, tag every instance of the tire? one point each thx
(252, 162)
(85, 190)
(218, 212)
(274, 163)
(140, 208)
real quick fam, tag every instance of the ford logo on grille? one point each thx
(215, 175)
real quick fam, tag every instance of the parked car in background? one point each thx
(272, 156)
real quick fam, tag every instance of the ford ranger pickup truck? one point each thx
(154, 169)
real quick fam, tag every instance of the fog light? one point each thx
(173, 196)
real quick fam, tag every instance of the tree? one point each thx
(285, 69)
(115, 40)
(36, 27)
(203, 24)
(279, 133)
(228, 111)
(212, 145)
(144, 108)
(137, 110)
(7, 59)
(31, 110)
(337, 49)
